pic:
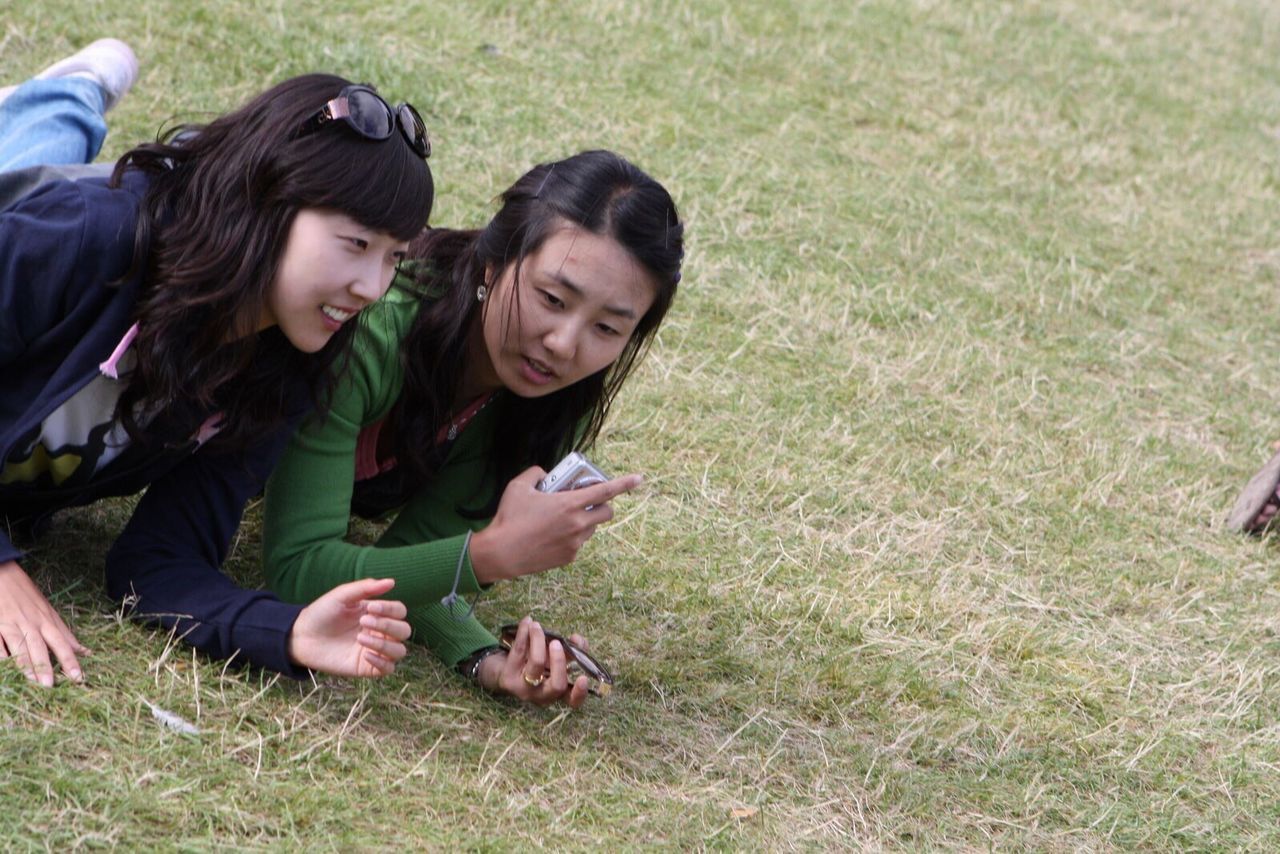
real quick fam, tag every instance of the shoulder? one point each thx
(384, 324)
(20, 183)
(60, 244)
(374, 373)
(55, 193)
(84, 217)
(112, 213)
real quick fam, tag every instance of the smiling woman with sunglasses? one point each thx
(495, 353)
(167, 328)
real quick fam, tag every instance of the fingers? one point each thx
(64, 653)
(31, 631)
(534, 670)
(30, 651)
(598, 514)
(67, 638)
(377, 665)
(65, 647)
(11, 642)
(1264, 517)
(525, 667)
(530, 476)
(386, 608)
(77, 647)
(32, 657)
(558, 682)
(578, 695)
(366, 588)
(602, 493)
(520, 646)
(346, 633)
(381, 644)
(397, 629)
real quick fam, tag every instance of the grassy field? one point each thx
(968, 362)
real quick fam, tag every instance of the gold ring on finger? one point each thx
(531, 681)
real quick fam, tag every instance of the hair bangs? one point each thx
(383, 185)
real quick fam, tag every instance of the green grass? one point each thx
(972, 351)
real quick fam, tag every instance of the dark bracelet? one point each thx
(470, 666)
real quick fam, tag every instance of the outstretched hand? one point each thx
(348, 632)
(533, 670)
(31, 630)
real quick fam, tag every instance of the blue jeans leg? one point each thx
(51, 122)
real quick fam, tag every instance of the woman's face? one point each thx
(331, 268)
(567, 315)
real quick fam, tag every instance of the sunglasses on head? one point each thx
(368, 114)
(579, 661)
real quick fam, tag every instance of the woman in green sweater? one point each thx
(495, 354)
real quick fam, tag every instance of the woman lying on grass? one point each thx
(491, 357)
(169, 327)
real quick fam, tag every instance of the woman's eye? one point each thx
(357, 242)
(607, 330)
(552, 299)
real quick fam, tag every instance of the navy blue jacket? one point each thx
(63, 308)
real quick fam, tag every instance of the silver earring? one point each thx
(481, 293)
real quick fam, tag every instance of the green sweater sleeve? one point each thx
(308, 501)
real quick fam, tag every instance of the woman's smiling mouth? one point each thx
(336, 314)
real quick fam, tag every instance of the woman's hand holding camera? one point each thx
(535, 531)
(533, 670)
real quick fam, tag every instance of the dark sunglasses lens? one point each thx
(594, 669)
(369, 114)
(415, 130)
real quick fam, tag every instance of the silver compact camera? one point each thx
(573, 472)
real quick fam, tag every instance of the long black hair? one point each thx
(213, 228)
(595, 190)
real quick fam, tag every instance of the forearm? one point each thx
(447, 632)
(202, 606)
(167, 561)
(424, 572)
(306, 516)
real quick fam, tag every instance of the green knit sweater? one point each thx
(308, 499)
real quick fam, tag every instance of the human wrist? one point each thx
(489, 674)
(478, 666)
(299, 646)
(291, 649)
(485, 557)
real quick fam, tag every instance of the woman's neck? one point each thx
(478, 375)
